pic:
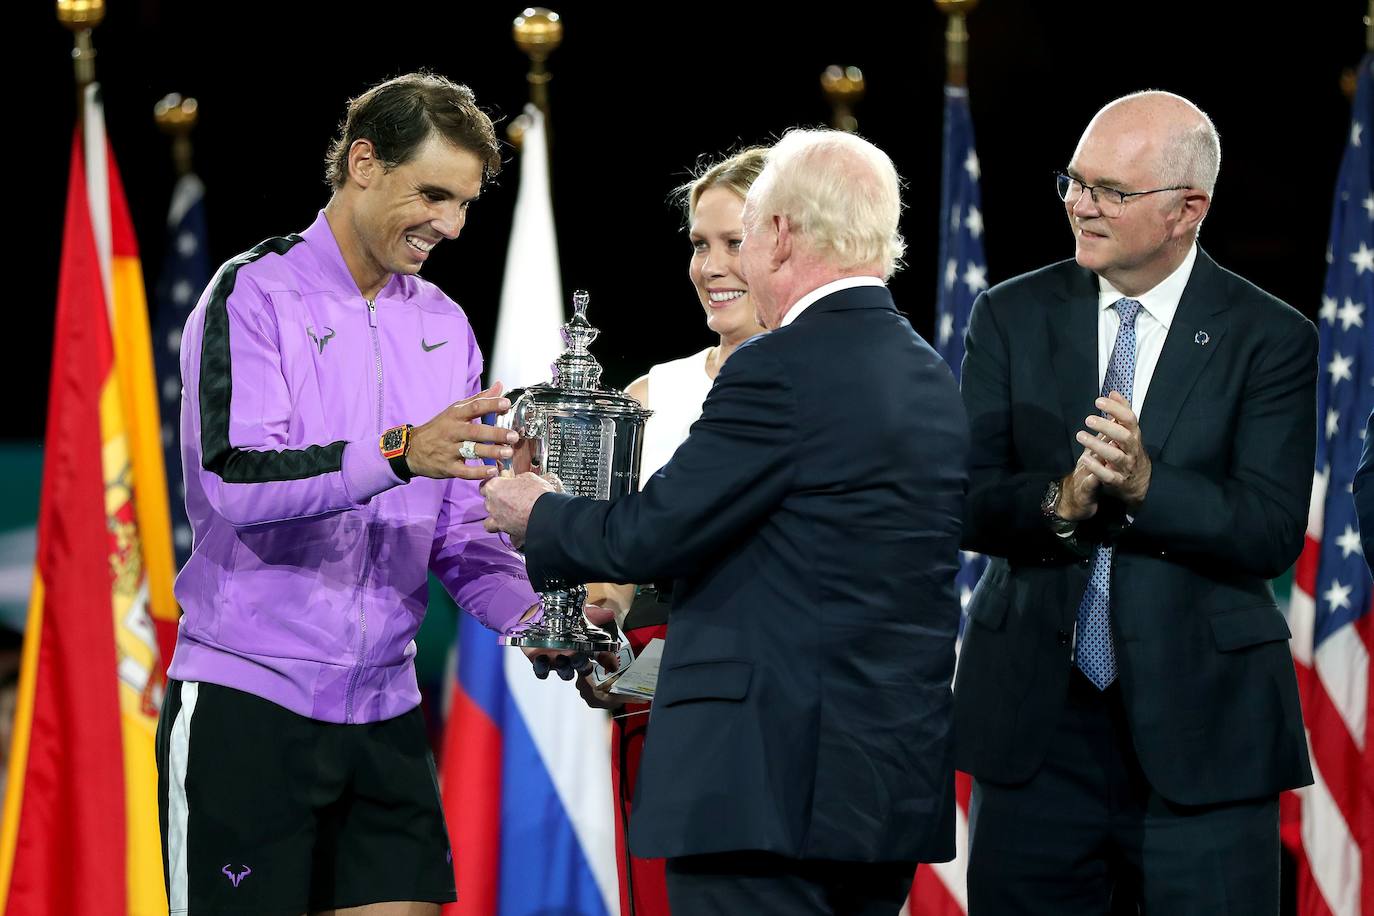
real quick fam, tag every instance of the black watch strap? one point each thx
(395, 446)
(1049, 503)
(401, 469)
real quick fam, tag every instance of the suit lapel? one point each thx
(1073, 339)
(1195, 334)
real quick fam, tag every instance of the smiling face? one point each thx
(1125, 148)
(1118, 157)
(398, 216)
(716, 232)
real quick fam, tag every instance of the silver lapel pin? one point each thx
(1201, 338)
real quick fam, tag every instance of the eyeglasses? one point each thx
(1110, 201)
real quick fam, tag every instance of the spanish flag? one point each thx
(80, 827)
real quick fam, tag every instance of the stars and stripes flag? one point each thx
(963, 267)
(185, 272)
(80, 830)
(940, 890)
(1330, 825)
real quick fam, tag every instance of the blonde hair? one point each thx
(736, 172)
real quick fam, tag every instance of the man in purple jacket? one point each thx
(294, 771)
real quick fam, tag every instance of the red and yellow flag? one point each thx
(80, 827)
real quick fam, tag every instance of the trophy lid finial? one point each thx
(577, 368)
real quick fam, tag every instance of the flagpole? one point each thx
(956, 39)
(177, 117)
(81, 17)
(844, 88)
(538, 32)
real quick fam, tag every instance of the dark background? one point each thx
(640, 91)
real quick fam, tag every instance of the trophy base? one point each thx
(585, 639)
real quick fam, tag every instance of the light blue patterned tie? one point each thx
(1094, 651)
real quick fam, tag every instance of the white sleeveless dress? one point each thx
(676, 391)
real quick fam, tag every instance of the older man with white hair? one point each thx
(799, 757)
(1143, 425)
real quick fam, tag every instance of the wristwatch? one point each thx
(1049, 506)
(395, 446)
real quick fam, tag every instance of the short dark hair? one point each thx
(397, 116)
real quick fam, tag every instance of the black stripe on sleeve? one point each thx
(235, 465)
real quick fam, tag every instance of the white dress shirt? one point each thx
(834, 286)
(1157, 308)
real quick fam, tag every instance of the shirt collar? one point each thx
(325, 247)
(1162, 301)
(820, 292)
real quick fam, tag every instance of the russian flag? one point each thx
(526, 764)
(526, 787)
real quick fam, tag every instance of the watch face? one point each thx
(394, 441)
(1051, 499)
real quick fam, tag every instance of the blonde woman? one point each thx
(674, 391)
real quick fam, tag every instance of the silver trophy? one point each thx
(589, 438)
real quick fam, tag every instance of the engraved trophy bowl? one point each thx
(590, 438)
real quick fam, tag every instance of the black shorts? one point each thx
(264, 811)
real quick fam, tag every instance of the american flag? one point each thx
(940, 890)
(963, 268)
(185, 272)
(1330, 825)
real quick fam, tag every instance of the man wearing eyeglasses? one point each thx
(1143, 429)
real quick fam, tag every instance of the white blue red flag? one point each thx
(1329, 826)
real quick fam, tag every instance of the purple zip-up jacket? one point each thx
(307, 578)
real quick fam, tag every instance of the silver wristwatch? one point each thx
(1049, 505)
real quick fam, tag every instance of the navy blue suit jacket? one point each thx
(812, 520)
(1229, 423)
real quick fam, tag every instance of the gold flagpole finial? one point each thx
(81, 16)
(177, 117)
(538, 32)
(956, 39)
(843, 87)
